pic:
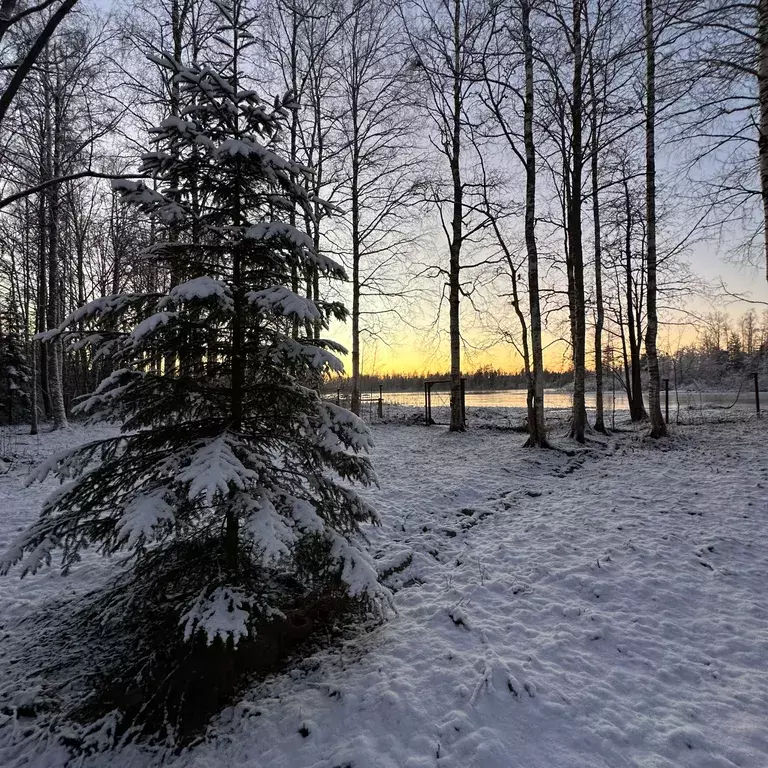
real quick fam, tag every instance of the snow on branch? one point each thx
(142, 515)
(251, 148)
(102, 308)
(270, 531)
(199, 289)
(281, 300)
(267, 230)
(342, 421)
(138, 193)
(314, 356)
(150, 325)
(214, 469)
(108, 393)
(359, 572)
(224, 613)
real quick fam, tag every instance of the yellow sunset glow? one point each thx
(412, 351)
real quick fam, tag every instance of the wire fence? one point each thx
(507, 409)
(17, 446)
(697, 406)
(682, 405)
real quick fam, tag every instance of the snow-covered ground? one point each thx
(605, 608)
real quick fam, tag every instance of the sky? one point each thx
(420, 349)
(423, 346)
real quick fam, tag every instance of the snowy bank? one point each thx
(602, 609)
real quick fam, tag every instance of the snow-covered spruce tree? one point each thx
(15, 375)
(231, 478)
(15, 379)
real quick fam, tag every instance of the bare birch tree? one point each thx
(658, 426)
(446, 38)
(376, 165)
(512, 109)
(12, 14)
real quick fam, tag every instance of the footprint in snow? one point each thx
(498, 675)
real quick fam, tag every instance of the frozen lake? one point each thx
(557, 398)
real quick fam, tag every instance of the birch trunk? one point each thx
(355, 194)
(579, 413)
(762, 142)
(632, 369)
(176, 275)
(599, 308)
(55, 284)
(457, 220)
(658, 427)
(536, 425)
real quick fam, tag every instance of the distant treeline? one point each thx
(481, 379)
(704, 366)
(696, 367)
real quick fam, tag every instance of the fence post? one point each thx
(381, 401)
(757, 396)
(666, 401)
(613, 401)
(338, 397)
(463, 405)
(426, 404)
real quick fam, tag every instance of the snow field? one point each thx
(601, 609)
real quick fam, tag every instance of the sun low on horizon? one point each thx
(411, 351)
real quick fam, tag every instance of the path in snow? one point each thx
(558, 612)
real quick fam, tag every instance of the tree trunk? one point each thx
(42, 297)
(634, 382)
(43, 234)
(599, 308)
(355, 401)
(536, 425)
(29, 345)
(355, 404)
(174, 361)
(294, 137)
(355, 194)
(33, 394)
(658, 427)
(318, 180)
(626, 381)
(55, 283)
(457, 223)
(762, 142)
(28, 61)
(579, 413)
(82, 355)
(238, 372)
